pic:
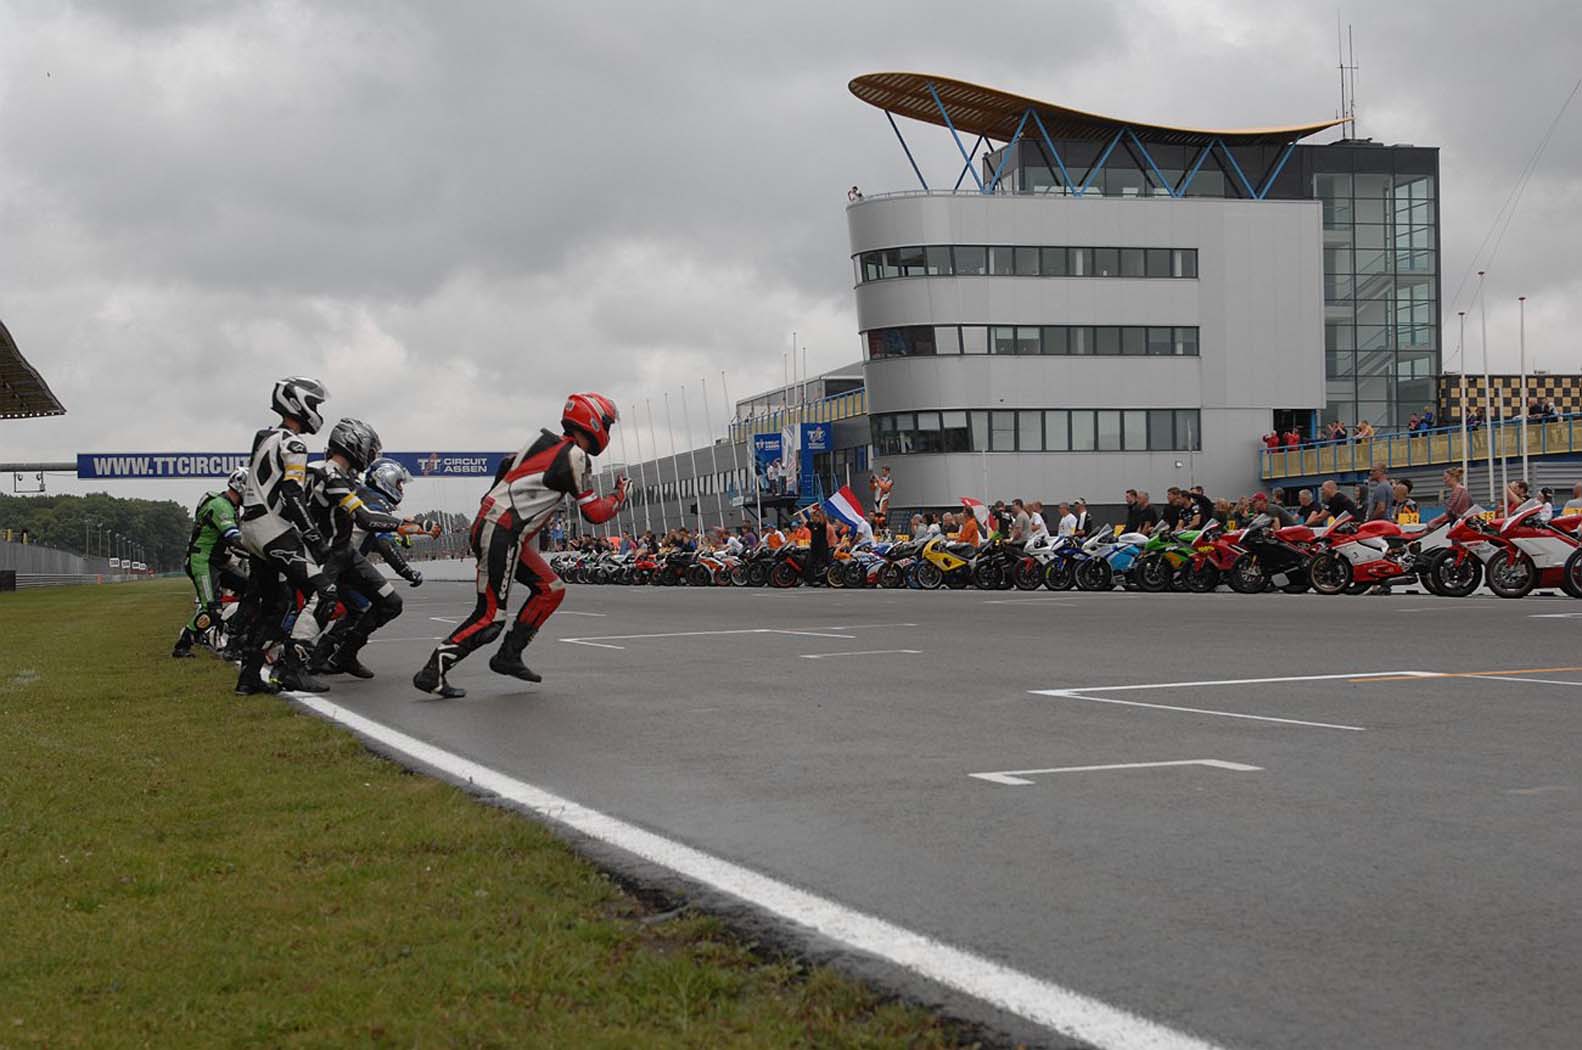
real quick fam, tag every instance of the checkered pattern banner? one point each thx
(1565, 391)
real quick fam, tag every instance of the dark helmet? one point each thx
(355, 440)
(300, 399)
(593, 415)
(388, 478)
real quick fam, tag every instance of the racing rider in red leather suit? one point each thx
(528, 490)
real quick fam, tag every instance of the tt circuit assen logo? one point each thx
(429, 464)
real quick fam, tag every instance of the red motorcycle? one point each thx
(1214, 555)
(1514, 555)
(1375, 553)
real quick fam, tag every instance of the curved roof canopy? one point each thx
(978, 110)
(23, 392)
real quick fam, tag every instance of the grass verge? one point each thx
(182, 868)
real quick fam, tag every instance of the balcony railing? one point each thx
(825, 410)
(1422, 448)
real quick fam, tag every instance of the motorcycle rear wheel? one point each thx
(856, 575)
(892, 576)
(784, 575)
(700, 576)
(757, 574)
(1027, 574)
(835, 575)
(739, 576)
(1329, 573)
(928, 576)
(1511, 576)
(987, 576)
(1246, 575)
(1201, 579)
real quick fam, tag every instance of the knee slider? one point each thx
(490, 633)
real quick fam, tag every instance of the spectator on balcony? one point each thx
(1337, 432)
(1549, 410)
(854, 195)
(1475, 418)
(1271, 441)
(1292, 437)
(1364, 431)
(1428, 420)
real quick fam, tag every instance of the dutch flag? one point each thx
(845, 506)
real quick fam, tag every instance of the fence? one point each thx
(39, 566)
(1424, 448)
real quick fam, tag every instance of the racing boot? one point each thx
(431, 679)
(251, 679)
(293, 673)
(507, 660)
(344, 660)
(183, 649)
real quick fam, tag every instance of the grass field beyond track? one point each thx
(182, 868)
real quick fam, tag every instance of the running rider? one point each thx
(214, 526)
(337, 511)
(278, 529)
(528, 488)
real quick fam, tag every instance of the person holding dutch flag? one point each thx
(845, 507)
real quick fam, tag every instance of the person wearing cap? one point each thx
(1262, 505)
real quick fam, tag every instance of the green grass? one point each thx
(182, 868)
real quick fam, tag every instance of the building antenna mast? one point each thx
(1347, 67)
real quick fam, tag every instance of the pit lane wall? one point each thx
(38, 566)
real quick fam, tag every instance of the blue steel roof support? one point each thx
(999, 168)
(1098, 165)
(1065, 176)
(1149, 158)
(953, 134)
(1202, 155)
(1251, 193)
(968, 166)
(1274, 172)
(915, 169)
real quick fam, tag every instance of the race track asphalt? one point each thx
(1402, 867)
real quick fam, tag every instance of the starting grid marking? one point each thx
(1356, 677)
(602, 641)
(1018, 777)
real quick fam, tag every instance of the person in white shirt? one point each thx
(1084, 523)
(1037, 528)
(1068, 521)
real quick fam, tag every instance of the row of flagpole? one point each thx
(1495, 499)
(628, 517)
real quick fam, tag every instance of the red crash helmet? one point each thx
(593, 414)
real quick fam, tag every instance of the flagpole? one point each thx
(659, 475)
(1488, 404)
(626, 461)
(675, 464)
(714, 462)
(1522, 303)
(736, 464)
(1461, 349)
(692, 454)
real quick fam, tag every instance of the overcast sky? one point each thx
(456, 213)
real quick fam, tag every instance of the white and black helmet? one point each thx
(301, 399)
(237, 482)
(355, 440)
(388, 478)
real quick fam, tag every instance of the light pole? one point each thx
(87, 523)
(1521, 303)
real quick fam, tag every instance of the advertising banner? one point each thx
(767, 464)
(160, 465)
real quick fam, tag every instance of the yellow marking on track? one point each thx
(1465, 674)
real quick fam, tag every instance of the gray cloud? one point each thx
(458, 212)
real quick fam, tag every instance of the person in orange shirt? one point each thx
(774, 539)
(801, 536)
(969, 529)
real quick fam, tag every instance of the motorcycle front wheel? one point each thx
(784, 575)
(1571, 577)
(757, 574)
(1152, 573)
(1201, 579)
(892, 576)
(929, 577)
(1027, 575)
(739, 575)
(1060, 574)
(1095, 574)
(700, 576)
(856, 575)
(987, 576)
(1246, 575)
(835, 575)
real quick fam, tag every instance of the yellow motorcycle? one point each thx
(942, 561)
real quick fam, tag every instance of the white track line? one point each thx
(1246, 681)
(1508, 678)
(1069, 694)
(1042, 1002)
(1017, 777)
(860, 652)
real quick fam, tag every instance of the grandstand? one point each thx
(23, 392)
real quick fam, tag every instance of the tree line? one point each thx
(66, 523)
